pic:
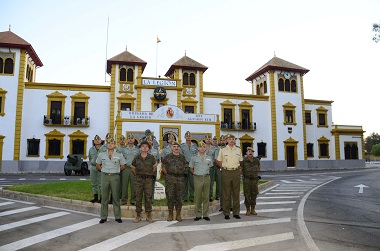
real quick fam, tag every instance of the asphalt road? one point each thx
(305, 210)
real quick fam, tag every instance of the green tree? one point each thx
(370, 141)
(376, 29)
(376, 150)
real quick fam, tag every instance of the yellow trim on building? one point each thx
(79, 97)
(303, 120)
(54, 135)
(56, 96)
(112, 124)
(78, 135)
(273, 115)
(201, 103)
(292, 143)
(67, 87)
(2, 105)
(1, 150)
(235, 96)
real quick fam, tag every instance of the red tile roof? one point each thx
(188, 63)
(125, 58)
(11, 40)
(277, 64)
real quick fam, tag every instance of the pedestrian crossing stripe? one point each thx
(16, 211)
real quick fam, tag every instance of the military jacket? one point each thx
(111, 165)
(155, 153)
(165, 151)
(175, 164)
(250, 167)
(144, 166)
(189, 152)
(201, 166)
(93, 155)
(211, 152)
(129, 154)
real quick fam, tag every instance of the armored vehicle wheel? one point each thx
(68, 172)
(84, 169)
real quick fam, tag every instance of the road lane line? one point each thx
(19, 201)
(271, 210)
(290, 190)
(178, 229)
(49, 235)
(304, 232)
(22, 179)
(275, 202)
(246, 243)
(279, 197)
(285, 193)
(31, 220)
(42, 178)
(16, 211)
(2, 178)
(130, 236)
(297, 185)
(6, 203)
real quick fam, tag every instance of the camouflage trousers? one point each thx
(143, 187)
(251, 190)
(174, 191)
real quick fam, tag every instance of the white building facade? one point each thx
(41, 123)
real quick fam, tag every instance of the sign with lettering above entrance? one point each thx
(159, 82)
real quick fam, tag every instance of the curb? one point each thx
(158, 212)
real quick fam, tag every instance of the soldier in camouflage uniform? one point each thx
(189, 149)
(144, 167)
(156, 154)
(94, 173)
(174, 167)
(250, 170)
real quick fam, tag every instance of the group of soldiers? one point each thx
(190, 171)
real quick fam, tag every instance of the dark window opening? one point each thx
(293, 86)
(289, 116)
(265, 87)
(1, 65)
(257, 89)
(130, 75)
(324, 150)
(281, 85)
(228, 117)
(322, 119)
(245, 122)
(261, 149)
(125, 106)
(33, 147)
(287, 85)
(307, 117)
(78, 146)
(185, 79)
(310, 149)
(8, 69)
(123, 74)
(351, 151)
(192, 79)
(54, 147)
(1, 104)
(55, 112)
(189, 109)
(79, 113)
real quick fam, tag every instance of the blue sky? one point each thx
(333, 39)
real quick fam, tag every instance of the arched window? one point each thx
(130, 75)
(257, 90)
(287, 85)
(8, 69)
(293, 86)
(192, 79)
(281, 85)
(123, 74)
(265, 87)
(1, 65)
(185, 78)
(27, 72)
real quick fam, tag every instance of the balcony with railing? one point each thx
(66, 121)
(238, 126)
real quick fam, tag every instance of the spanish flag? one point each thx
(158, 40)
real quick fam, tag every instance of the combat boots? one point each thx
(138, 218)
(178, 216)
(253, 212)
(95, 199)
(248, 210)
(170, 217)
(149, 217)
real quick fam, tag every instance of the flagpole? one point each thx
(156, 54)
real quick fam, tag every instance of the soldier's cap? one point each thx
(147, 131)
(111, 140)
(222, 137)
(130, 136)
(149, 137)
(170, 136)
(229, 136)
(175, 143)
(215, 138)
(122, 137)
(250, 148)
(109, 135)
(97, 137)
(187, 133)
(201, 144)
(144, 142)
(208, 136)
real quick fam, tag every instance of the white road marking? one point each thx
(128, 237)
(31, 220)
(6, 203)
(16, 211)
(285, 193)
(221, 225)
(19, 201)
(22, 179)
(2, 178)
(279, 197)
(304, 232)
(82, 179)
(49, 235)
(271, 210)
(62, 179)
(275, 202)
(297, 185)
(42, 178)
(246, 243)
(290, 190)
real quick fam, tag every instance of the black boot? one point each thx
(100, 199)
(95, 199)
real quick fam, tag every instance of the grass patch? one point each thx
(78, 190)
